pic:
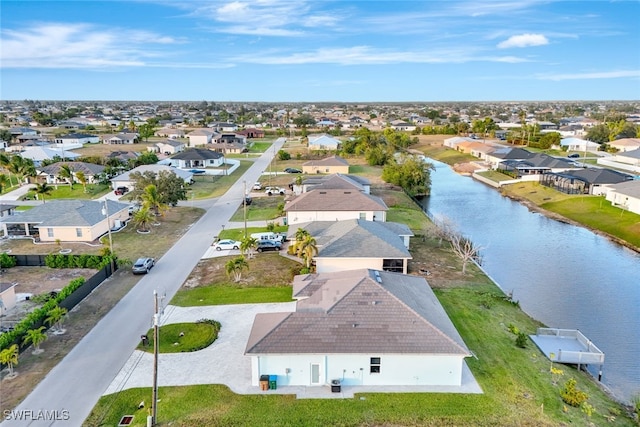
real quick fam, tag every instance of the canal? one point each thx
(563, 275)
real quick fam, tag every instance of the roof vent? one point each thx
(323, 192)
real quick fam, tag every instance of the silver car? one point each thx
(143, 265)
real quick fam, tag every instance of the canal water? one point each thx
(563, 275)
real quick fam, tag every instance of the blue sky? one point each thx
(320, 51)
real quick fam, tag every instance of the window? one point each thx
(396, 265)
(78, 232)
(363, 215)
(374, 366)
(50, 232)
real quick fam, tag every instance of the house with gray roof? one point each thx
(355, 243)
(364, 327)
(66, 220)
(335, 205)
(336, 182)
(625, 195)
(124, 179)
(537, 164)
(328, 165)
(168, 147)
(196, 158)
(51, 173)
(120, 138)
(323, 142)
(584, 181)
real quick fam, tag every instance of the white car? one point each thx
(227, 244)
(257, 186)
(274, 190)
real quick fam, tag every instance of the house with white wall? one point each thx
(335, 205)
(625, 195)
(363, 327)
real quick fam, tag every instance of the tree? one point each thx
(143, 218)
(21, 167)
(66, 173)
(306, 249)
(411, 173)
(55, 317)
(464, 248)
(598, 133)
(248, 246)
(43, 189)
(146, 130)
(235, 267)
(4, 182)
(147, 158)
(152, 199)
(9, 357)
(35, 337)
(82, 178)
(283, 155)
(170, 187)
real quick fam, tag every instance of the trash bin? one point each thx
(273, 382)
(336, 386)
(264, 382)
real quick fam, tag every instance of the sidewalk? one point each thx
(17, 194)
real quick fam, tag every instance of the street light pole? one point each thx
(244, 208)
(105, 212)
(156, 337)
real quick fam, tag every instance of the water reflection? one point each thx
(563, 275)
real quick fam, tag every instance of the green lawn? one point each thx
(182, 337)
(260, 209)
(260, 147)
(221, 295)
(208, 186)
(92, 191)
(494, 175)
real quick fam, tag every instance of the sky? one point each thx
(320, 51)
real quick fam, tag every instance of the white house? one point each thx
(577, 144)
(77, 138)
(120, 138)
(626, 195)
(625, 144)
(363, 327)
(196, 158)
(168, 147)
(201, 137)
(38, 154)
(323, 142)
(335, 205)
(354, 243)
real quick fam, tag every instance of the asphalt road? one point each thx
(66, 396)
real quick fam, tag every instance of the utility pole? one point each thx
(244, 207)
(156, 335)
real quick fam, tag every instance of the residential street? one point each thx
(74, 386)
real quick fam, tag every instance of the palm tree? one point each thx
(4, 180)
(55, 317)
(307, 249)
(142, 218)
(9, 357)
(152, 199)
(301, 233)
(21, 167)
(43, 189)
(35, 337)
(5, 160)
(235, 266)
(65, 172)
(82, 178)
(248, 245)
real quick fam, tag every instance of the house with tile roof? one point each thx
(334, 205)
(328, 165)
(336, 182)
(66, 220)
(364, 327)
(51, 173)
(356, 243)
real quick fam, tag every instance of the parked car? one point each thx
(292, 170)
(574, 156)
(247, 200)
(121, 190)
(257, 186)
(274, 190)
(143, 265)
(227, 244)
(268, 245)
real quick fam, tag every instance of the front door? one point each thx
(315, 374)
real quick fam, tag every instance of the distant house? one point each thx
(124, 180)
(625, 195)
(630, 157)
(196, 158)
(7, 210)
(584, 181)
(402, 126)
(333, 164)
(251, 133)
(170, 133)
(51, 173)
(66, 220)
(625, 144)
(39, 154)
(577, 144)
(335, 205)
(123, 156)
(363, 327)
(168, 147)
(536, 164)
(120, 138)
(77, 138)
(200, 137)
(223, 126)
(323, 142)
(501, 154)
(355, 243)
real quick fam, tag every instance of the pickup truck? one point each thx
(274, 190)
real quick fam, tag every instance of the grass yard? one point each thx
(495, 176)
(261, 209)
(208, 186)
(182, 337)
(226, 294)
(238, 233)
(260, 147)
(591, 211)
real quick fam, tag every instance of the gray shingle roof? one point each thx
(335, 200)
(87, 168)
(197, 154)
(66, 213)
(328, 161)
(355, 312)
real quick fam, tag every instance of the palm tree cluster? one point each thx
(152, 207)
(305, 247)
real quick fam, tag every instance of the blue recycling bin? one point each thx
(273, 382)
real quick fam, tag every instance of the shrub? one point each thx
(7, 261)
(571, 395)
(513, 329)
(521, 340)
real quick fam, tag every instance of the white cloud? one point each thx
(54, 45)
(591, 76)
(524, 40)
